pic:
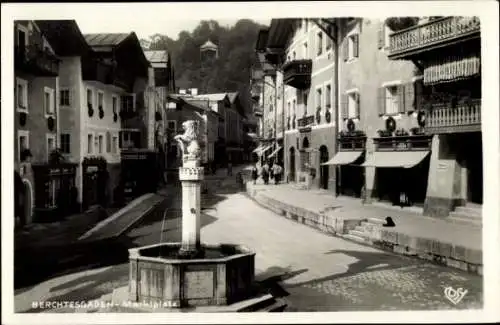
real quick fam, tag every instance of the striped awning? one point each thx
(275, 152)
(258, 149)
(452, 68)
(266, 149)
(395, 159)
(344, 158)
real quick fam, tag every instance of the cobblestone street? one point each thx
(311, 270)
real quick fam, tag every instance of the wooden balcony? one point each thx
(464, 117)
(95, 70)
(305, 122)
(417, 40)
(297, 73)
(352, 142)
(120, 78)
(403, 143)
(35, 60)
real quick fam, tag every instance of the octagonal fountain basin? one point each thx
(223, 276)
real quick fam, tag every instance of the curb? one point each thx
(431, 250)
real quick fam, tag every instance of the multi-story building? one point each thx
(103, 81)
(229, 146)
(36, 126)
(164, 81)
(447, 52)
(304, 57)
(187, 107)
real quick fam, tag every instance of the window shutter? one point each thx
(356, 45)
(345, 49)
(418, 94)
(345, 107)
(381, 101)
(120, 139)
(401, 98)
(358, 108)
(381, 36)
(410, 97)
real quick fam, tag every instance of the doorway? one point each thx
(291, 171)
(323, 169)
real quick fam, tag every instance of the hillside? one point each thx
(230, 72)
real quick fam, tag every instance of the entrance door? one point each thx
(292, 165)
(323, 157)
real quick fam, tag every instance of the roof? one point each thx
(64, 36)
(212, 97)
(209, 45)
(156, 56)
(105, 39)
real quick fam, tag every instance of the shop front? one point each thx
(139, 173)
(401, 166)
(348, 159)
(95, 180)
(55, 191)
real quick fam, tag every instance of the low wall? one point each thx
(326, 222)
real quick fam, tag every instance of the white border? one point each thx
(129, 12)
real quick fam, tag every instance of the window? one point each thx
(351, 47)
(64, 97)
(52, 191)
(391, 100)
(127, 103)
(305, 25)
(65, 143)
(100, 100)
(23, 142)
(90, 97)
(328, 96)
(22, 95)
(319, 42)
(387, 34)
(318, 98)
(90, 143)
(115, 104)
(352, 104)
(114, 147)
(294, 105)
(289, 109)
(294, 55)
(99, 143)
(108, 142)
(305, 54)
(51, 144)
(48, 101)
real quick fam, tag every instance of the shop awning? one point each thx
(452, 68)
(275, 152)
(395, 159)
(344, 158)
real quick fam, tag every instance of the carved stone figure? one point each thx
(188, 142)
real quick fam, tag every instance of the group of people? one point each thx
(267, 171)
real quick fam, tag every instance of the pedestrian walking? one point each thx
(229, 168)
(277, 171)
(255, 174)
(265, 173)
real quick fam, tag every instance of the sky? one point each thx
(145, 28)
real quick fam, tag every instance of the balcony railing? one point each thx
(462, 118)
(403, 143)
(305, 121)
(297, 73)
(436, 33)
(34, 59)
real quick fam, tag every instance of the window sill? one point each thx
(20, 109)
(387, 115)
(47, 115)
(351, 60)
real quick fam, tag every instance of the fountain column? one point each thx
(191, 175)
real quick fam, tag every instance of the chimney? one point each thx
(194, 91)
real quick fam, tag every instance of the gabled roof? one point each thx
(64, 36)
(157, 56)
(209, 45)
(105, 39)
(232, 96)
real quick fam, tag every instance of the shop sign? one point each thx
(54, 171)
(402, 146)
(91, 169)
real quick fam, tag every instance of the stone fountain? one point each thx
(190, 274)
